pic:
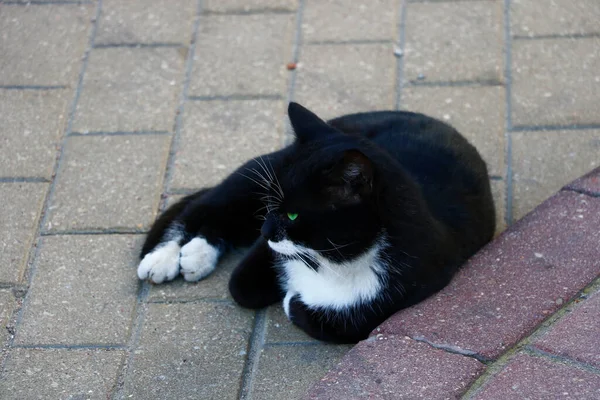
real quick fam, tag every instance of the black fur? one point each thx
(411, 179)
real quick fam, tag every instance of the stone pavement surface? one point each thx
(111, 109)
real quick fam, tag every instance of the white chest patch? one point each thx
(333, 285)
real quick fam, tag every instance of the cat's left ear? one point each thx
(352, 178)
(307, 126)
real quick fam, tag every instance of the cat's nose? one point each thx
(271, 230)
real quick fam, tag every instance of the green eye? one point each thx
(292, 216)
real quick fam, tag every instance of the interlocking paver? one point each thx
(7, 303)
(225, 6)
(582, 343)
(218, 136)
(109, 182)
(526, 377)
(341, 79)
(43, 45)
(140, 92)
(146, 21)
(83, 291)
(242, 55)
(556, 17)
(545, 161)
(555, 81)
(344, 20)
(313, 360)
(60, 374)
(393, 367)
(190, 351)
(454, 41)
(32, 123)
(475, 111)
(21, 206)
(514, 283)
(281, 330)
(215, 286)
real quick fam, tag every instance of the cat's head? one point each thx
(323, 199)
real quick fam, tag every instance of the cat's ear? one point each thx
(352, 178)
(306, 124)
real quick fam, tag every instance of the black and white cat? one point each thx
(363, 215)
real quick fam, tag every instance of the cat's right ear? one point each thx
(307, 126)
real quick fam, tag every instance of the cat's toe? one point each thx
(198, 259)
(161, 264)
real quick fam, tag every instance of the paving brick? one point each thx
(589, 183)
(130, 89)
(281, 330)
(341, 79)
(109, 182)
(344, 20)
(60, 374)
(543, 162)
(476, 112)
(514, 283)
(242, 55)
(526, 377)
(7, 303)
(576, 334)
(215, 286)
(190, 351)
(21, 206)
(454, 41)
(224, 6)
(557, 17)
(555, 81)
(219, 136)
(146, 21)
(51, 53)
(84, 291)
(387, 367)
(309, 363)
(32, 123)
(499, 193)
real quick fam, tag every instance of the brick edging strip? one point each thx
(438, 348)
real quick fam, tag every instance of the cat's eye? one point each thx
(292, 216)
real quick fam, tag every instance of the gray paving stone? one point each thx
(545, 161)
(341, 79)
(32, 123)
(242, 55)
(224, 6)
(476, 111)
(499, 193)
(290, 371)
(7, 303)
(281, 330)
(84, 291)
(21, 207)
(130, 89)
(555, 81)
(343, 20)
(215, 286)
(190, 351)
(60, 374)
(51, 53)
(454, 41)
(146, 21)
(219, 136)
(109, 182)
(556, 17)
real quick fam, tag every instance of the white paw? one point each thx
(198, 259)
(161, 264)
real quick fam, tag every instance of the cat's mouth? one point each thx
(285, 247)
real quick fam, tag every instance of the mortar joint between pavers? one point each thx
(255, 11)
(558, 36)
(33, 87)
(568, 127)
(256, 343)
(581, 191)
(508, 216)
(555, 358)
(139, 45)
(400, 50)
(234, 97)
